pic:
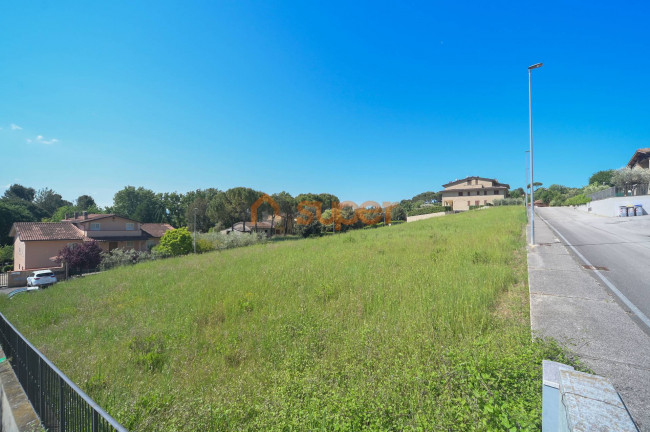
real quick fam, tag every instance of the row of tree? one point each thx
(211, 208)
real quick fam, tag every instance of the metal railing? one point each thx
(632, 190)
(4, 279)
(59, 403)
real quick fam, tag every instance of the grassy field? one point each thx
(420, 326)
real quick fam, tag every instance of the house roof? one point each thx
(156, 229)
(494, 181)
(640, 154)
(31, 231)
(93, 217)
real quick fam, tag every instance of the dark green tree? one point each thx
(20, 192)
(49, 200)
(603, 177)
(85, 203)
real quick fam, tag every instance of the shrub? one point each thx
(206, 242)
(175, 242)
(120, 257)
(428, 210)
(86, 255)
(508, 202)
(577, 200)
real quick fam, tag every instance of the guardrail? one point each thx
(60, 404)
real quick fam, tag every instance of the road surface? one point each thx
(620, 245)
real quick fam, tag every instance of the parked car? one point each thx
(41, 278)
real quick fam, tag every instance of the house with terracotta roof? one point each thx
(640, 159)
(37, 243)
(473, 191)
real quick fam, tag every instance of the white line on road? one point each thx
(635, 310)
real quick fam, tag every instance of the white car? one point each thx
(41, 278)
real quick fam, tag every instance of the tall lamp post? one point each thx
(195, 210)
(530, 123)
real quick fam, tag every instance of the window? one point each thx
(469, 182)
(468, 204)
(484, 201)
(460, 194)
(496, 192)
(476, 203)
(130, 226)
(95, 226)
(129, 244)
(484, 192)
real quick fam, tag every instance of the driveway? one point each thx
(620, 245)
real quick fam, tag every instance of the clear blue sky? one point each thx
(367, 100)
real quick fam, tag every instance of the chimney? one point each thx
(66, 216)
(76, 215)
(85, 213)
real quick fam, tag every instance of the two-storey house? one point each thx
(472, 191)
(37, 243)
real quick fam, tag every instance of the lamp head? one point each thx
(535, 66)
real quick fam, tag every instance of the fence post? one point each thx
(95, 421)
(61, 406)
(40, 388)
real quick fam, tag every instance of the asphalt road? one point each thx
(621, 245)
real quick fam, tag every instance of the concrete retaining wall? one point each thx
(610, 206)
(17, 413)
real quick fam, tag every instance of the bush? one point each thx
(428, 210)
(175, 242)
(577, 200)
(508, 202)
(86, 255)
(206, 242)
(7, 268)
(121, 257)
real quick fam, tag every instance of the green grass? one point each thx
(421, 326)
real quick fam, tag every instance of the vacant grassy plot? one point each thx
(420, 326)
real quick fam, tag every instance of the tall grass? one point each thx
(421, 326)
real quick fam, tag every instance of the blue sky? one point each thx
(367, 100)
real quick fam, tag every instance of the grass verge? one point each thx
(421, 326)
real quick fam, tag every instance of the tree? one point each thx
(85, 202)
(517, 193)
(203, 221)
(603, 177)
(49, 200)
(140, 204)
(398, 213)
(287, 205)
(175, 242)
(174, 208)
(11, 212)
(629, 178)
(428, 197)
(86, 255)
(21, 192)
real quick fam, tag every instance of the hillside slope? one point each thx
(417, 326)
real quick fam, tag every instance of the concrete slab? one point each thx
(566, 283)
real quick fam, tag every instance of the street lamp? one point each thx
(195, 210)
(530, 123)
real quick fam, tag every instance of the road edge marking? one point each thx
(635, 310)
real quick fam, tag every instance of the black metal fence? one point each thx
(59, 403)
